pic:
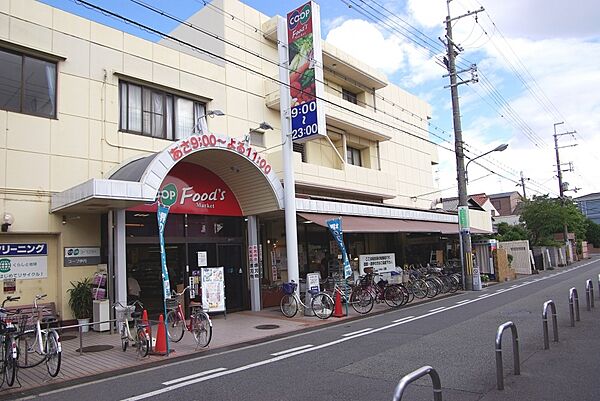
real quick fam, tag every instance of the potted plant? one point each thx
(485, 279)
(80, 301)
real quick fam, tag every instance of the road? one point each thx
(364, 359)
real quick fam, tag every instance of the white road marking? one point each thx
(463, 301)
(182, 379)
(404, 318)
(291, 350)
(436, 309)
(353, 333)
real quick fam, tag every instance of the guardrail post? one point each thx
(515, 341)
(573, 300)
(589, 294)
(411, 377)
(80, 340)
(549, 303)
(599, 285)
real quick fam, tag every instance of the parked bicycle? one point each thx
(200, 324)
(321, 303)
(141, 340)
(9, 350)
(39, 344)
(360, 299)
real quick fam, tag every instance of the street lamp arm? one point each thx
(499, 148)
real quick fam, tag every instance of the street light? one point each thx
(209, 113)
(468, 270)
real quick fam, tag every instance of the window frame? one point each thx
(349, 96)
(352, 154)
(169, 104)
(23, 55)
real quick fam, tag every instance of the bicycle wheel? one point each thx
(10, 363)
(288, 305)
(124, 337)
(142, 343)
(420, 288)
(362, 300)
(322, 305)
(393, 297)
(29, 355)
(175, 326)
(409, 296)
(454, 284)
(433, 288)
(53, 353)
(202, 329)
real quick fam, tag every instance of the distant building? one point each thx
(506, 203)
(590, 206)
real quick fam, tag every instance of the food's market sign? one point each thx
(305, 73)
(190, 188)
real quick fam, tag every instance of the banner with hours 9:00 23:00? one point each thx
(305, 72)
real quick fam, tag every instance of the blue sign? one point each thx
(161, 215)
(305, 121)
(23, 249)
(335, 226)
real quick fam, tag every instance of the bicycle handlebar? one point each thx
(178, 294)
(10, 299)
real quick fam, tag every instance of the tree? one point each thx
(592, 233)
(506, 232)
(544, 216)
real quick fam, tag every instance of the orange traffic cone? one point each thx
(161, 338)
(337, 312)
(145, 323)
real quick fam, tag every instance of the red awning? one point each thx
(360, 224)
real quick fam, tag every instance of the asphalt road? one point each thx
(365, 359)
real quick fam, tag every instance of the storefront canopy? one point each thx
(359, 224)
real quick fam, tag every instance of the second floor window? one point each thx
(152, 112)
(27, 84)
(349, 96)
(353, 156)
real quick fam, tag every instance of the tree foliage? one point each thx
(506, 232)
(544, 216)
(592, 233)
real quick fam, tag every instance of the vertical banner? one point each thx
(161, 214)
(335, 226)
(306, 72)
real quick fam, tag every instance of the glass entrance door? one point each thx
(236, 291)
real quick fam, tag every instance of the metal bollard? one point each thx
(80, 340)
(589, 294)
(574, 300)
(515, 341)
(411, 377)
(549, 303)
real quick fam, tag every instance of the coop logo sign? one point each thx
(299, 16)
(169, 196)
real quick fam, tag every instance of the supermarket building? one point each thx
(95, 123)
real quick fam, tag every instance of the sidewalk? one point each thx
(236, 329)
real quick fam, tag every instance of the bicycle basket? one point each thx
(172, 303)
(124, 312)
(289, 288)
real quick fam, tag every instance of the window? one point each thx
(152, 112)
(300, 148)
(27, 84)
(353, 156)
(349, 96)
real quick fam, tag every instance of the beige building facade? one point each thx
(98, 121)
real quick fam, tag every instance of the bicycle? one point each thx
(321, 303)
(361, 300)
(141, 341)
(39, 345)
(9, 350)
(200, 324)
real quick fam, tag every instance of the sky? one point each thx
(537, 64)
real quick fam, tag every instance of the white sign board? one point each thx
(23, 261)
(202, 259)
(213, 289)
(380, 262)
(312, 281)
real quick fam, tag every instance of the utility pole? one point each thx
(523, 185)
(471, 281)
(561, 187)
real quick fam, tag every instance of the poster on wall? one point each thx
(213, 289)
(23, 261)
(380, 262)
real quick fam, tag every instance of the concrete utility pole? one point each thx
(559, 170)
(523, 185)
(463, 208)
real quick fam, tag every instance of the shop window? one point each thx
(353, 156)
(349, 96)
(300, 148)
(27, 84)
(155, 113)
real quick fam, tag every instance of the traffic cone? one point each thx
(161, 337)
(337, 312)
(145, 323)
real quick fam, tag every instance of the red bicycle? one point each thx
(200, 324)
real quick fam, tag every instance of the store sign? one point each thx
(335, 227)
(213, 289)
(305, 73)
(82, 256)
(312, 282)
(192, 189)
(463, 218)
(380, 262)
(211, 141)
(23, 261)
